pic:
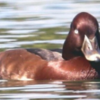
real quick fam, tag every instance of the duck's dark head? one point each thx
(83, 38)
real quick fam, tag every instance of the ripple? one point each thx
(62, 32)
(35, 42)
(39, 95)
(7, 40)
(21, 31)
(14, 36)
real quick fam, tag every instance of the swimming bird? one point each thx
(80, 47)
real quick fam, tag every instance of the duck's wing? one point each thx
(48, 55)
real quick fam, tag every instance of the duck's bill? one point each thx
(90, 49)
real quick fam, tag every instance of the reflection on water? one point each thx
(30, 20)
(43, 24)
(26, 90)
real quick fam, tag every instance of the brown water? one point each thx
(43, 24)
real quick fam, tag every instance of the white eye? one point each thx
(76, 31)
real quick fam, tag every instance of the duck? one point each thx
(73, 62)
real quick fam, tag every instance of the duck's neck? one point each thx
(96, 66)
(98, 38)
(70, 51)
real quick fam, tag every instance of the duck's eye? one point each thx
(76, 31)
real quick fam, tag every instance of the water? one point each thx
(43, 24)
(52, 90)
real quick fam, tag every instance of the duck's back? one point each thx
(16, 64)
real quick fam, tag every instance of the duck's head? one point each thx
(83, 38)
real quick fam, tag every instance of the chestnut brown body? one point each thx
(23, 65)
